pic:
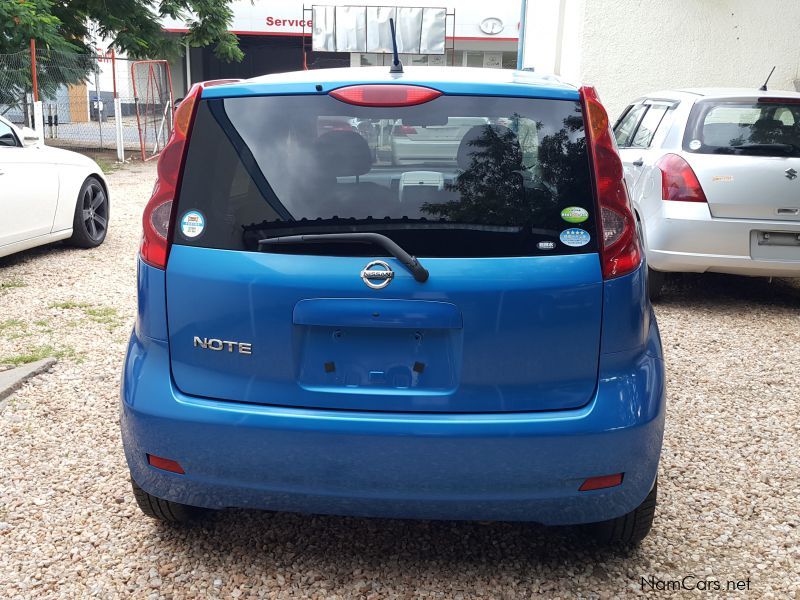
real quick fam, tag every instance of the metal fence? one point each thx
(90, 102)
(15, 72)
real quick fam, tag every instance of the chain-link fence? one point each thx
(15, 87)
(90, 101)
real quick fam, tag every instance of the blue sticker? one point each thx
(574, 237)
(192, 224)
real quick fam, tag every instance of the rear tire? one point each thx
(164, 510)
(90, 222)
(655, 284)
(629, 529)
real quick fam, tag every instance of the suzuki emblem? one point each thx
(791, 174)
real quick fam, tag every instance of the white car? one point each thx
(48, 194)
(713, 175)
(432, 144)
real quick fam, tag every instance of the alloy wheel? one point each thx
(95, 211)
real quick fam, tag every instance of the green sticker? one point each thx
(574, 214)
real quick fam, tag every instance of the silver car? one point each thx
(714, 177)
(413, 144)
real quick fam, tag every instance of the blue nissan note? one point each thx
(409, 295)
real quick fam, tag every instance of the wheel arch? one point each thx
(102, 179)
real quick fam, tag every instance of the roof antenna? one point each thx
(397, 66)
(763, 88)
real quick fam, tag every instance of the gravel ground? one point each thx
(729, 507)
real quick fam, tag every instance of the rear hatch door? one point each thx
(746, 154)
(509, 319)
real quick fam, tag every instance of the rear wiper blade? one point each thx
(419, 272)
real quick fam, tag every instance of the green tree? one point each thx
(491, 190)
(498, 188)
(21, 21)
(65, 28)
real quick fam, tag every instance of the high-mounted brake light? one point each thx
(619, 251)
(678, 180)
(773, 100)
(385, 95)
(157, 217)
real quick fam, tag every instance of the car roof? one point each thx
(733, 92)
(449, 80)
(717, 93)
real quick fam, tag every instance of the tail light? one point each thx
(619, 251)
(385, 95)
(403, 130)
(158, 214)
(678, 181)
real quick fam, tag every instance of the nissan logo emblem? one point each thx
(377, 274)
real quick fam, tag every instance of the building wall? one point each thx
(628, 48)
(271, 38)
(631, 47)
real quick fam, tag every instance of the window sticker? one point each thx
(695, 145)
(574, 214)
(192, 224)
(575, 238)
(546, 245)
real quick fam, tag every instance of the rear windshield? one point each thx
(458, 176)
(770, 128)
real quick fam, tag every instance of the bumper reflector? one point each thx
(599, 483)
(165, 464)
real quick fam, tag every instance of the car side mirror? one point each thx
(29, 137)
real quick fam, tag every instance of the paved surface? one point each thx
(13, 379)
(729, 479)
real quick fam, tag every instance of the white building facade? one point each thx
(628, 48)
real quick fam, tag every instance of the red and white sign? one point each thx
(264, 17)
(278, 23)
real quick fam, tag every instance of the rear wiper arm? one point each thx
(419, 272)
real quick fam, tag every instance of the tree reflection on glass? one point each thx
(510, 180)
(774, 127)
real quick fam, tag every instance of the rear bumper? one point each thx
(684, 237)
(523, 466)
